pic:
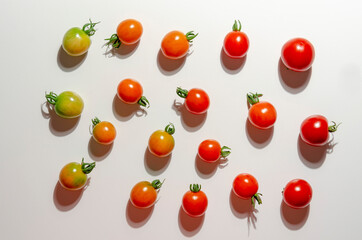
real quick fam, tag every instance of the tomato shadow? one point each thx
(138, 217)
(168, 66)
(123, 111)
(190, 122)
(243, 209)
(97, 151)
(58, 126)
(206, 170)
(123, 52)
(155, 165)
(231, 65)
(189, 226)
(65, 200)
(293, 219)
(259, 138)
(69, 63)
(292, 81)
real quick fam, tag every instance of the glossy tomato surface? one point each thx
(175, 45)
(245, 186)
(129, 31)
(314, 130)
(236, 44)
(262, 115)
(129, 91)
(209, 150)
(298, 54)
(197, 101)
(72, 177)
(195, 203)
(104, 132)
(68, 104)
(297, 193)
(143, 195)
(76, 42)
(161, 143)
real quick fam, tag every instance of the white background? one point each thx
(35, 145)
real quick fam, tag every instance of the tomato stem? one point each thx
(333, 127)
(51, 98)
(95, 121)
(225, 151)
(88, 28)
(236, 26)
(257, 198)
(253, 98)
(157, 184)
(114, 40)
(87, 167)
(170, 129)
(195, 188)
(182, 92)
(190, 36)
(144, 102)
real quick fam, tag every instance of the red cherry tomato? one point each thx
(130, 91)
(245, 186)
(196, 100)
(129, 32)
(103, 132)
(161, 142)
(297, 193)
(194, 202)
(261, 114)
(144, 194)
(175, 44)
(73, 176)
(236, 43)
(211, 150)
(315, 130)
(298, 54)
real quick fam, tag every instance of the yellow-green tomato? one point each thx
(68, 104)
(73, 176)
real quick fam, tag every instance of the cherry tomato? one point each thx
(144, 194)
(246, 186)
(210, 150)
(236, 43)
(77, 41)
(261, 114)
(161, 142)
(103, 132)
(129, 32)
(297, 193)
(194, 202)
(130, 91)
(73, 176)
(315, 130)
(298, 54)
(175, 44)
(67, 104)
(196, 100)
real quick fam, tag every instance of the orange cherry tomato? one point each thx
(175, 44)
(130, 91)
(261, 114)
(129, 32)
(194, 202)
(103, 132)
(73, 176)
(196, 100)
(144, 194)
(161, 142)
(210, 150)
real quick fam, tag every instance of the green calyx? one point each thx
(88, 28)
(114, 40)
(87, 167)
(170, 129)
(225, 151)
(333, 127)
(257, 198)
(182, 92)
(195, 188)
(190, 36)
(144, 102)
(253, 97)
(157, 184)
(95, 121)
(237, 26)
(51, 98)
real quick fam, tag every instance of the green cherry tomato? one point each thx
(77, 41)
(67, 104)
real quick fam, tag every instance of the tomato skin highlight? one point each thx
(175, 45)
(245, 186)
(297, 194)
(194, 203)
(129, 31)
(298, 54)
(262, 115)
(236, 44)
(143, 195)
(209, 150)
(129, 91)
(72, 177)
(104, 132)
(76, 42)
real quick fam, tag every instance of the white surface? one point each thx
(34, 148)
